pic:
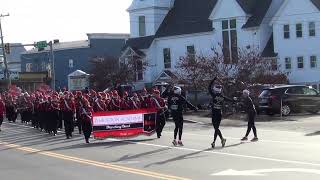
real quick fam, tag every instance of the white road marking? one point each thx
(222, 153)
(262, 172)
(126, 162)
(261, 140)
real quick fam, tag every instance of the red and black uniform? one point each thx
(115, 104)
(125, 103)
(86, 114)
(68, 108)
(159, 104)
(135, 103)
(11, 110)
(2, 111)
(53, 108)
(79, 105)
(99, 105)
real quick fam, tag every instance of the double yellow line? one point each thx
(94, 163)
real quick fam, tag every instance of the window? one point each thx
(43, 66)
(167, 58)
(142, 25)
(70, 63)
(29, 67)
(312, 29)
(299, 30)
(229, 38)
(191, 52)
(286, 31)
(313, 61)
(300, 62)
(309, 91)
(295, 90)
(288, 62)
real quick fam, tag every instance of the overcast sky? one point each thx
(67, 20)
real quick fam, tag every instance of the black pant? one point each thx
(216, 120)
(178, 120)
(87, 129)
(1, 119)
(161, 122)
(68, 123)
(251, 124)
(79, 122)
(53, 121)
(60, 119)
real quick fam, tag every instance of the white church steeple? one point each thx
(147, 15)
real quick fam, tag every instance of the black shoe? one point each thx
(87, 141)
(158, 135)
(174, 142)
(68, 137)
(223, 142)
(255, 139)
(213, 145)
(244, 139)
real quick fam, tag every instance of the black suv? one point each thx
(289, 98)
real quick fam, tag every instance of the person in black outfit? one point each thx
(218, 99)
(176, 103)
(250, 109)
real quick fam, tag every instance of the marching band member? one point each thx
(115, 103)
(99, 105)
(11, 109)
(79, 105)
(87, 117)
(158, 103)
(125, 102)
(68, 109)
(2, 111)
(135, 102)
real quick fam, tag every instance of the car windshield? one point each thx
(265, 93)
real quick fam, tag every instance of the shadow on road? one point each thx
(313, 134)
(179, 158)
(130, 157)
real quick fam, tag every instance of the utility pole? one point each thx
(6, 71)
(52, 64)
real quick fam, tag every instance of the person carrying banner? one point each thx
(115, 103)
(158, 103)
(125, 101)
(215, 90)
(87, 117)
(176, 104)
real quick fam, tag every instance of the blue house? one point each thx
(72, 56)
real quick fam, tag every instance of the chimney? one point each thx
(55, 41)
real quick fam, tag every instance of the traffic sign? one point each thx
(41, 44)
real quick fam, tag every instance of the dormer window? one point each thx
(142, 25)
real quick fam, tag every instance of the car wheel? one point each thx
(286, 110)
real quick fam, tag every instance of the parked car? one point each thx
(288, 99)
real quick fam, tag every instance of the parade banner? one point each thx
(124, 124)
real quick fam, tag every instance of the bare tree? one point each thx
(107, 72)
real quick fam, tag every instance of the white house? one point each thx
(296, 36)
(162, 31)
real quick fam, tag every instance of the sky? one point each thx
(66, 20)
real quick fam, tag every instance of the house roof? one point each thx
(316, 3)
(257, 9)
(269, 49)
(78, 73)
(62, 46)
(140, 42)
(187, 17)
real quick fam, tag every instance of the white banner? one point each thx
(117, 119)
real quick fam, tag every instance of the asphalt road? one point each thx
(25, 153)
